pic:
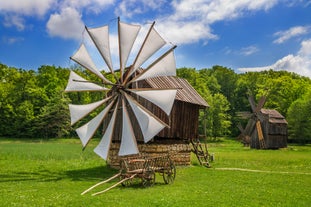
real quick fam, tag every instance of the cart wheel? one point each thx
(127, 182)
(169, 173)
(148, 178)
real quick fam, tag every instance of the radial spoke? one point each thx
(163, 66)
(127, 36)
(77, 112)
(83, 58)
(103, 147)
(162, 98)
(152, 43)
(100, 37)
(149, 124)
(128, 141)
(77, 83)
(86, 131)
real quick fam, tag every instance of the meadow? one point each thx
(54, 173)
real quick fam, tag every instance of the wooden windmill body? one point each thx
(142, 105)
(266, 128)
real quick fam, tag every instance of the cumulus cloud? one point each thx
(15, 10)
(191, 20)
(26, 7)
(283, 36)
(299, 63)
(66, 24)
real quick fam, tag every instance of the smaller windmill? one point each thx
(253, 134)
(265, 129)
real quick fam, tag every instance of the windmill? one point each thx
(122, 105)
(248, 135)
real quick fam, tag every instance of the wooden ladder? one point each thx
(202, 154)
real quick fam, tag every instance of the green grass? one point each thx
(55, 172)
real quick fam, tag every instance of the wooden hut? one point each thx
(183, 121)
(274, 129)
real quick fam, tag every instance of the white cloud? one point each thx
(14, 21)
(95, 6)
(12, 40)
(26, 7)
(246, 51)
(66, 24)
(299, 63)
(192, 20)
(283, 36)
(129, 8)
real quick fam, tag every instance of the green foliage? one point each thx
(299, 118)
(55, 172)
(217, 121)
(32, 103)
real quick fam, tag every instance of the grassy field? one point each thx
(55, 172)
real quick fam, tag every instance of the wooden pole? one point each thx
(100, 183)
(125, 179)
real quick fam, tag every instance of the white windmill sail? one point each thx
(127, 36)
(77, 83)
(164, 66)
(77, 112)
(103, 147)
(162, 98)
(153, 42)
(83, 58)
(86, 131)
(149, 125)
(128, 144)
(100, 37)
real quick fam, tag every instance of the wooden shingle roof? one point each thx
(185, 92)
(274, 116)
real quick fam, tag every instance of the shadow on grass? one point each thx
(95, 173)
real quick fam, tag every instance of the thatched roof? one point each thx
(274, 116)
(185, 92)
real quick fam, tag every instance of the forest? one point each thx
(33, 103)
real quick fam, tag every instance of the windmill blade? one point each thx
(103, 147)
(100, 37)
(162, 98)
(241, 128)
(149, 124)
(86, 131)
(152, 43)
(252, 102)
(163, 66)
(77, 112)
(127, 36)
(260, 104)
(250, 127)
(77, 83)
(128, 144)
(83, 58)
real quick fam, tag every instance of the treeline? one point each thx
(33, 103)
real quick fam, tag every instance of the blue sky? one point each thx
(244, 35)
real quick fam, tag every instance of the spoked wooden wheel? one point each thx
(148, 178)
(169, 173)
(127, 182)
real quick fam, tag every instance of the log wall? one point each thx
(181, 158)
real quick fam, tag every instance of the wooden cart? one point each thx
(143, 168)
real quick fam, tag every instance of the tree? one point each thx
(54, 119)
(218, 118)
(299, 119)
